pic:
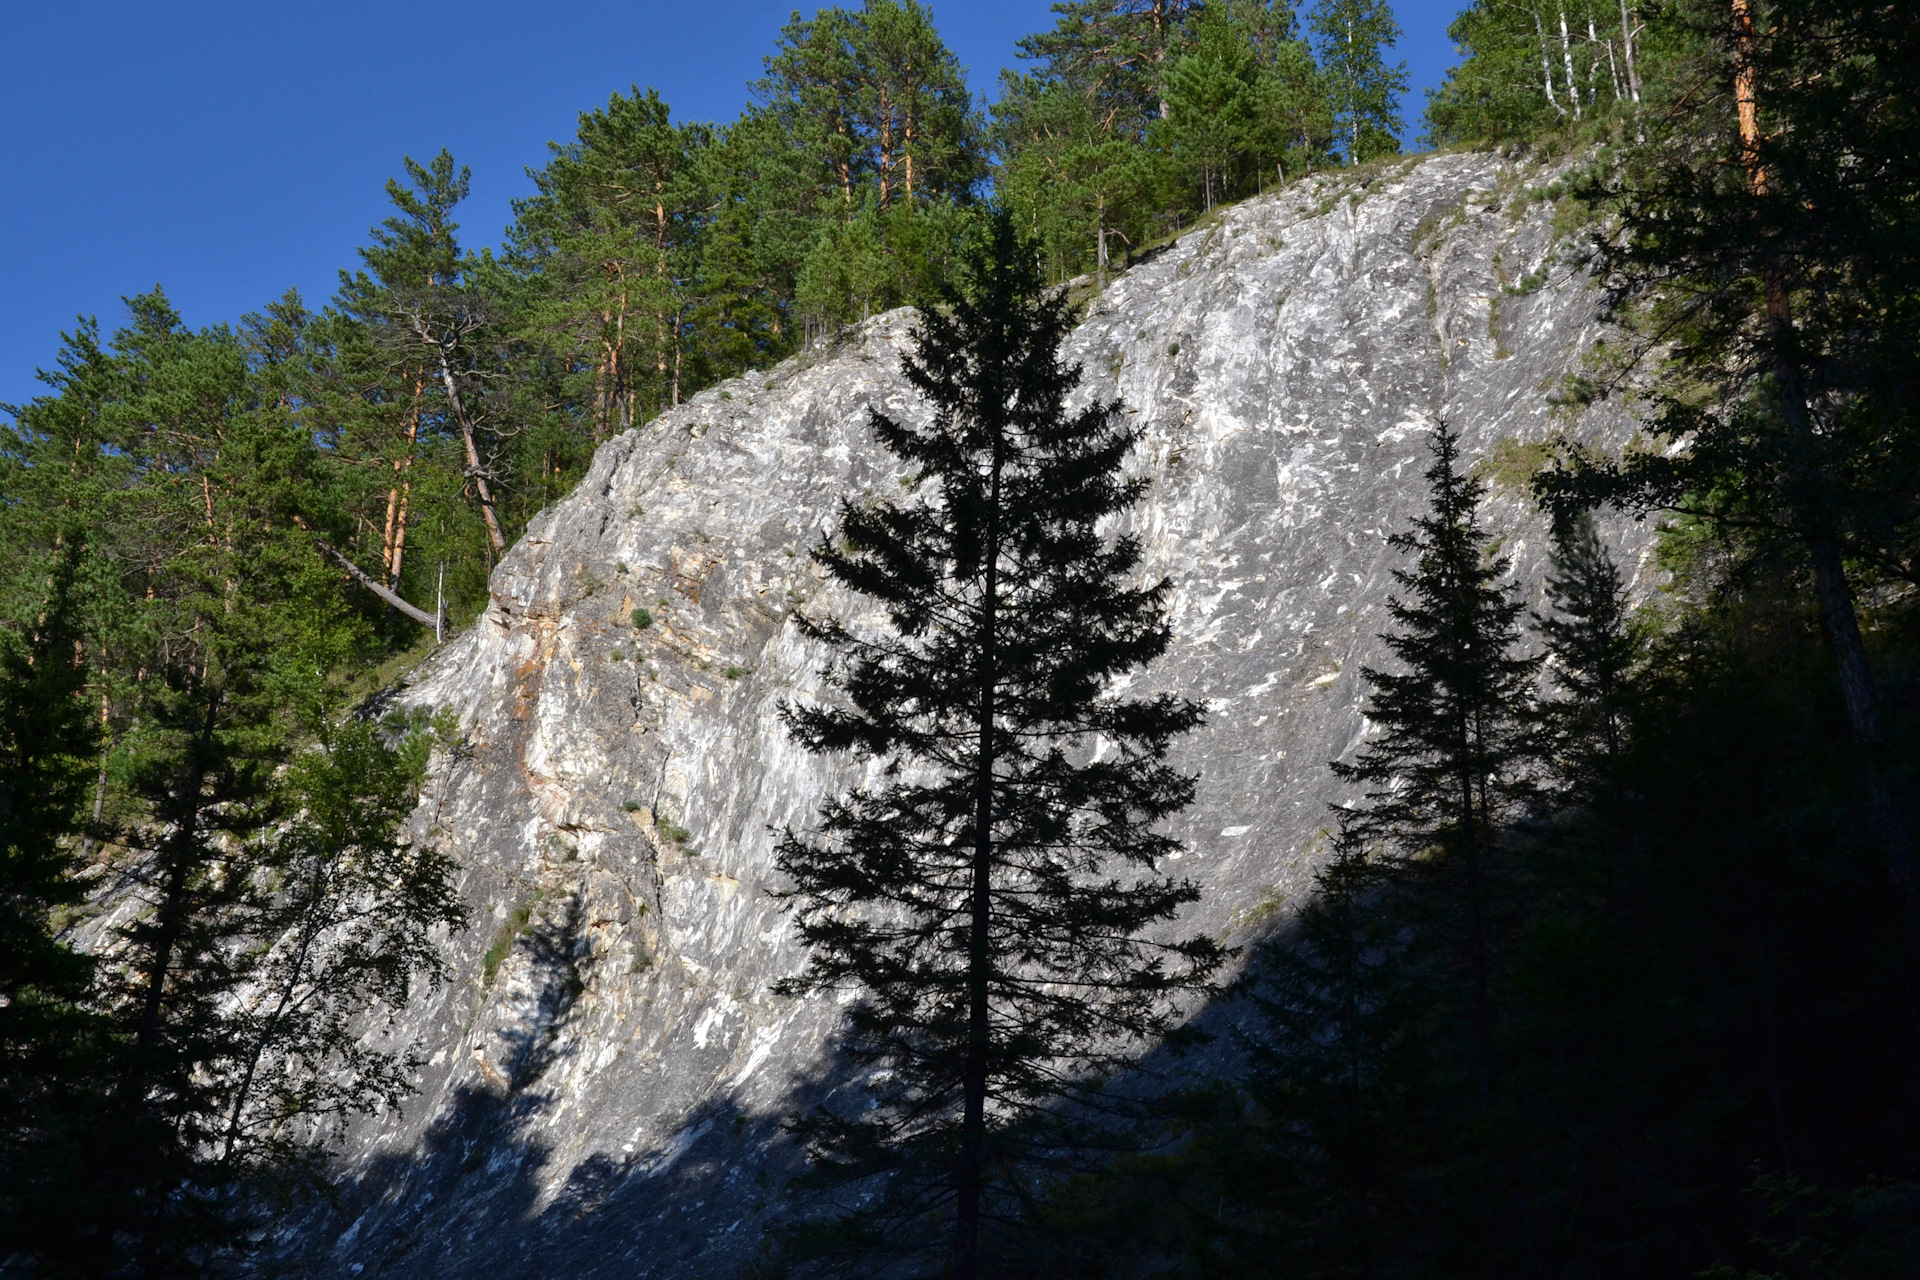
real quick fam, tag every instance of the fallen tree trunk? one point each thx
(366, 580)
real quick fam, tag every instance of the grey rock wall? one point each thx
(608, 1070)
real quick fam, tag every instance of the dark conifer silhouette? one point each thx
(1592, 648)
(989, 893)
(1339, 1068)
(50, 1040)
(1456, 739)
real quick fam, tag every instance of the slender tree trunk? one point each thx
(1838, 617)
(1546, 65)
(1626, 50)
(603, 381)
(906, 155)
(1566, 53)
(1160, 34)
(1100, 238)
(1746, 99)
(886, 146)
(1613, 68)
(677, 344)
(1475, 838)
(400, 534)
(405, 466)
(395, 535)
(99, 783)
(473, 454)
(973, 1126)
(846, 165)
(621, 384)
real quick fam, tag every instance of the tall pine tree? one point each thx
(990, 894)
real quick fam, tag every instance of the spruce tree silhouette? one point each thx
(990, 893)
(1457, 742)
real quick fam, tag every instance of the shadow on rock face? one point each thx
(470, 1197)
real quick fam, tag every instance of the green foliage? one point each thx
(1351, 38)
(172, 472)
(52, 1041)
(1511, 465)
(1448, 765)
(1211, 103)
(1531, 70)
(1693, 990)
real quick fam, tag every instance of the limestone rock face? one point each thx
(607, 1073)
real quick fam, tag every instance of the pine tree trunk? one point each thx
(399, 519)
(1838, 617)
(1479, 950)
(973, 1125)
(473, 454)
(1100, 239)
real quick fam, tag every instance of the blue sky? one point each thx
(229, 149)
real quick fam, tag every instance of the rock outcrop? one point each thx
(607, 1073)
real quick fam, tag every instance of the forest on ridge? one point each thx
(1613, 965)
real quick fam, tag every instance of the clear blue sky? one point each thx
(227, 149)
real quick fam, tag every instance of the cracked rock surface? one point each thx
(606, 1073)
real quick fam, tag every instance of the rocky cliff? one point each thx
(608, 1070)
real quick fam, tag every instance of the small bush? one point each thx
(618, 656)
(734, 673)
(516, 923)
(667, 828)
(620, 566)
(642, 619)
(631, 806)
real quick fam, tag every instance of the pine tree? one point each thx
(879, 102)
(1117, 50)
(987, 894)
(1214, 101)
(220, 646)
(613, 239)
(1077, 182)
(1352, 38)
(1454, 753)
(1295, 115)
(429, 321)
(880, 107)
